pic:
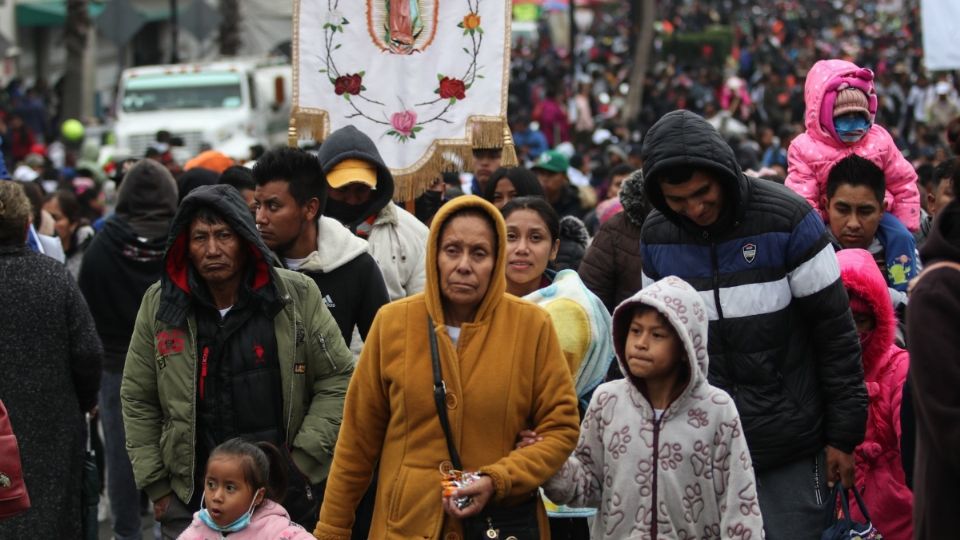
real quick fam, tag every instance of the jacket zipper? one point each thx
(716, 300)
(293, 379)
(816, 480)
(192, 338)
(656, 467)
(306, 481)
(203, 369)
(323, 347)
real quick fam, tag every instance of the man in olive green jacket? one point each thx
(227, 346)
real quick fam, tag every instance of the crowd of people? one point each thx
(712, 321)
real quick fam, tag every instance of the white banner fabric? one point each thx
(939, 21)
(414, 75)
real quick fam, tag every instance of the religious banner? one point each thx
(425, 79)
(939, 20)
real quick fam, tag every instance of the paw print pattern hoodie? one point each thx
(687, 474)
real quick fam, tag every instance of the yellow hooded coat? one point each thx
(507, 373)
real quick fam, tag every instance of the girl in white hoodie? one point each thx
(661, 452)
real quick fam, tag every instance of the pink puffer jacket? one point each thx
(813, 153)
(270, 522)
(880, 475)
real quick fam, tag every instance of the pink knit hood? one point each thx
(824, 81)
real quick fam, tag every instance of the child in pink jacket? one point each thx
(880, 477)
(841, 107)
(241, 483)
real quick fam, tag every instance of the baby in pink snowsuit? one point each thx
(841, 107)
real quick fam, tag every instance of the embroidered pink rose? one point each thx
(404, 122)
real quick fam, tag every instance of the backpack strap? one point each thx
(928, 269)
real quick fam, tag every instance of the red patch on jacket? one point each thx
(258, 350)
(170, 342)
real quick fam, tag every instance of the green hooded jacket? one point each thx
(160, 377)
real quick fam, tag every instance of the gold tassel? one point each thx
(292, 137)
(509, 156)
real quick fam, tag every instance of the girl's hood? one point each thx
(862, 277)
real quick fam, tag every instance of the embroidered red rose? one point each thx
(452, 88)
(348, 84)
(258, 351)
(170, 342)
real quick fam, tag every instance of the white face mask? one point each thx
(238, 524)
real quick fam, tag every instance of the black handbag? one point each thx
(91, 486)
(493, 522)
(843, 527)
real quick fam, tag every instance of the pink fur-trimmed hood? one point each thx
(862, 278)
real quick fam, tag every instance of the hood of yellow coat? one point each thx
(498, 281)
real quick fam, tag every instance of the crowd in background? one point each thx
(583, 183)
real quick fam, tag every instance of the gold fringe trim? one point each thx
(305, 124)
(444, 155)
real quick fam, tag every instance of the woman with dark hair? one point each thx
(501, 371)
(72, 228)
(581, 320)
(510, 182)
(533, 242)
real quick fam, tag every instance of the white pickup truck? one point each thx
(228, 105)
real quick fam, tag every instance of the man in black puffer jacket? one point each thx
(782, 340)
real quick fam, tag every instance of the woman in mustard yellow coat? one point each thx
(504, 373)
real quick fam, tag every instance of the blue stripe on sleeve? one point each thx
(806, 239)
(682, 260)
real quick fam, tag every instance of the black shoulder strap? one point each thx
(440, 396)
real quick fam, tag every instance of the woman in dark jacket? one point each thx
(611, 266)
(50, 358)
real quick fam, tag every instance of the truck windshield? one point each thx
(182, 91)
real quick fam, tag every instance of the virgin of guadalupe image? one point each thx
(404, 25)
